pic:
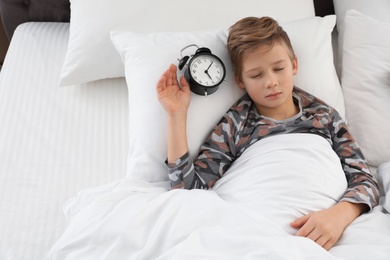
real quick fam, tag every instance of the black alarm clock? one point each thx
(204, 72)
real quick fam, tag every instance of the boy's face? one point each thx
(268, 77)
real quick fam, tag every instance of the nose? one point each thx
(271, 81)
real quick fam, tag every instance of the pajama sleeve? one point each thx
(362, 187)
(216, 154)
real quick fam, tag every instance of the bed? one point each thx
(82, 136)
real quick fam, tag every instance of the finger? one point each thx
(305, 227)
(305, 231)
(322, 241)
(315, 235)
(161, 83)
(184, 84)
(172, 77)
(328, 245)
(298, 223)
(173, 68)
(164, 77)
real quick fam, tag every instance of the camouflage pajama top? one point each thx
(242, 126)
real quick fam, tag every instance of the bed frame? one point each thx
(15, 12)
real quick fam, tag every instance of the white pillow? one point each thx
(378, 9)
(366, 84)
(384, 179)
(147, 56)
(90, 55)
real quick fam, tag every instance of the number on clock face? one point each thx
(206, 70)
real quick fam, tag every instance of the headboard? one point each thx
(15, 12)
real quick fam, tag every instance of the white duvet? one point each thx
(245, 216)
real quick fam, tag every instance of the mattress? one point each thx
(55, 140)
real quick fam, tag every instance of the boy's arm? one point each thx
(182, 171)
(216, 154)
(362, 187)
(215, 157)
(325, 227)
(175, 101)
(177, 136)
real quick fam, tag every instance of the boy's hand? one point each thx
(173, 98)
(325, 227)
(175, 101)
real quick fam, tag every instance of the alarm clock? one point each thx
(204, 71)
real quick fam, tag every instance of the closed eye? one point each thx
(279, 69)
(257, 75)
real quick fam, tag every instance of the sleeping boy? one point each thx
(264, 66)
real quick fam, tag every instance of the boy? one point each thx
(264, 65)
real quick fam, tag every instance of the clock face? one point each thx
(207, 70)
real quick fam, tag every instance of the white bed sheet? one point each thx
(53, 141)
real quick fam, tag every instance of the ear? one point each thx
(295, 65)
(240, 83)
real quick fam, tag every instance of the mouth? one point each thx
(273, 95)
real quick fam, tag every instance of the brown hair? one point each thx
(250, 33)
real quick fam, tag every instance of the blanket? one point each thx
(245, 216)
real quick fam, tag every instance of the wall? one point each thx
(3, 43)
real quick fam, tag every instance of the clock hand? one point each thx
(208, 74)
(207, 70)
(210, 66)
